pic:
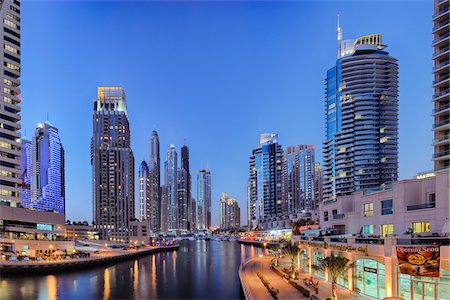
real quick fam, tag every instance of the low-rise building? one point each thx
(23, 229)
(81, 231)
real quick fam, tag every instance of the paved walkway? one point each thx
(256, 288)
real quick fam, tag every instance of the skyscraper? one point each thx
(203, 199)
(171, 183)
(361, 107)
(265, 185)
(144, 193)
(25, 172)
(318, 182)
(112, 163)
(187, 181)
(441, 84)
(230, 213)
(46, 170)
(154, 167)
(193, 209)
(164, 208)
(183, 200)
(9, 110)
(299, 178)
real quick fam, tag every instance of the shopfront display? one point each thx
(424, 288)
(370, 278)
(317, 259)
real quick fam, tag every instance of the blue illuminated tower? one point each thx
(361, 107)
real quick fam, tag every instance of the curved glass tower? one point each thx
(361, 108)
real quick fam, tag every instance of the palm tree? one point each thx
(291, 251)
(336, 266)
(278, 249)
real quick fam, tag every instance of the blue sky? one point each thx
(215, 73)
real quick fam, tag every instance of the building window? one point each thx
(368, 209)
(387, 229)
(386, 207)
(368, 229)
(334, 212)
(432, 200)
(325, 216)
(421, 226)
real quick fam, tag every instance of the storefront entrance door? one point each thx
(423, 290)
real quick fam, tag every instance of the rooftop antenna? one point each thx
(184, 142)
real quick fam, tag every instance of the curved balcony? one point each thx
(441, 154)
(442, 140)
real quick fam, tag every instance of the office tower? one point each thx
(193, 209)
(164, 208)
(9, 109)
(230, 213)
(145, 209)
(265, 186)
(299, 178)
(441, 84)
(25, 172)
(361, 107)
(318, 182)
(187, 187)
(112, 163)
(154, 167)
(203, 199)
(171, 183)
(47, 170)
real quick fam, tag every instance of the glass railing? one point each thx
(441, 25)
(442, 11)
(445, 137)
(445, 92)
(440, 154)
(421, 206)
(441, 65)
(441, 108)
(338, 216)
(442, 79)
(443, 37)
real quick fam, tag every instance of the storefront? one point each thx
(424, 288)
(317, 259)
(370, 278)
(304, 261)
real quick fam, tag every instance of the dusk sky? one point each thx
(215, 73)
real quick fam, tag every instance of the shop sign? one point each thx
(324, 245)
(370, 270)
(419, 261)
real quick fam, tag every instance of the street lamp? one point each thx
(264, 245)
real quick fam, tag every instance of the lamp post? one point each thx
(260, 256)
(264, 247)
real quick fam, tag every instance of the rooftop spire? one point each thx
(339, 29)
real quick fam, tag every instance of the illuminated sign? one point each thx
(44, 227)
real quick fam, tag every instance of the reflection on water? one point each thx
(198, 270)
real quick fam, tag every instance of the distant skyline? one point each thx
(214, 73)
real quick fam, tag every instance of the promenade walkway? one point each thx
(255, 288)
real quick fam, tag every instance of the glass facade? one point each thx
(370, 278)
(425, 288)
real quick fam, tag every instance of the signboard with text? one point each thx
(419, 260)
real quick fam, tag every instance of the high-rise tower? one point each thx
(144, 193)
(47, 170)
(9, 107)
(299, 178)
(265, 186)
(171, 183)
(112, 163)
(361, 107)
(441, 84)
(155, 182)
(203, 199)
(184, 191)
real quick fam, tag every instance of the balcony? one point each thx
(442, 123)
(441, 65)
(420, 206)
(327, 202)
(441, 108)
(425, 240)
(441, 154)
(369, 240)
(338, 216)
(440, 25)
(441, 139)
(441, 12)
(443, 78)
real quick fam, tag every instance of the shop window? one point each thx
(387, 229)
(370, 278)
(386, 207)
(368, 209)
(368, 229)
(421, 226)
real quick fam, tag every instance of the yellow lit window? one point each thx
(421, 226)
(387, 229)
(368, 209)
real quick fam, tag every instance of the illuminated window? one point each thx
(9, 23)
(421, 226)
(11, 49)
(387, 229)
(368, 229)
(368, 209)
